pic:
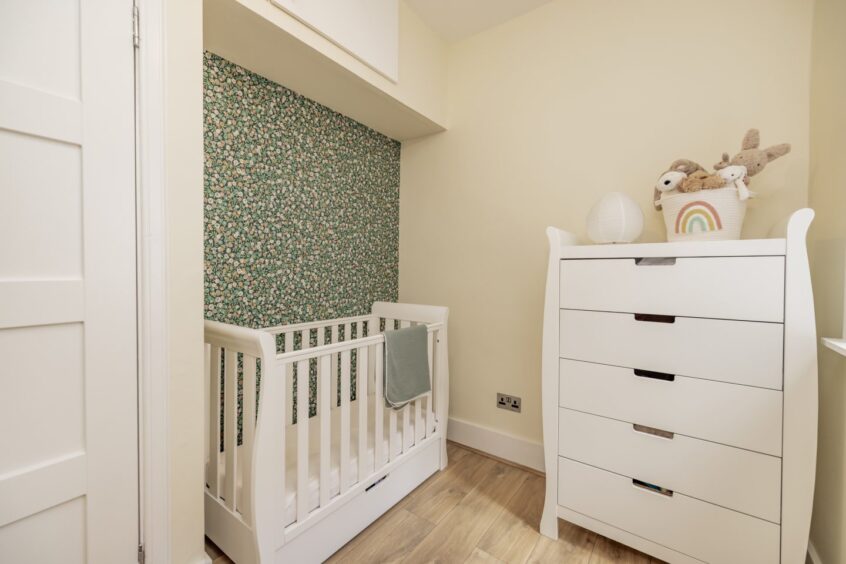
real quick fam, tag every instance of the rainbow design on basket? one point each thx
(698, 217)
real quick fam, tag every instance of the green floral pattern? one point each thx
(301, 206)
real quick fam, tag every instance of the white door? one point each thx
(68, 390)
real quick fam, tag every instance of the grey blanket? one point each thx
(406, 365)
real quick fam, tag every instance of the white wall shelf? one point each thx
(266, 40)
(837, 345)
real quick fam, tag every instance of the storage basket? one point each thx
(707, 215)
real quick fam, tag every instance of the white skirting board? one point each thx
(496, 443)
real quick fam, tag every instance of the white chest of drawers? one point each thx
(680, 395)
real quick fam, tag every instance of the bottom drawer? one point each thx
(696, 528)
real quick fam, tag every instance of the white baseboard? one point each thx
(813, 555)
(502, 445)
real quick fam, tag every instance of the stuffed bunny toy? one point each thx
(750, 156)
(733, 176)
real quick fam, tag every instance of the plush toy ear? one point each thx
(685, 165)
(777, 151)
(723, 163)
(751, 140)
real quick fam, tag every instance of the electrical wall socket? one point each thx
(511, 403)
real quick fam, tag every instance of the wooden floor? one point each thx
(478, 510)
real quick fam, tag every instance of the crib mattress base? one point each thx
(318, 542)
(334, 459)
(319, 537)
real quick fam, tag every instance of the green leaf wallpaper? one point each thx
(301, 205)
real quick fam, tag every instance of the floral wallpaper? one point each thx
(301, 205)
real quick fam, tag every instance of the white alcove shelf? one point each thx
(837, 345)
(268, 41)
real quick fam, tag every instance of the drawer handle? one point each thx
(653, 318)
(655, 261)
(651, 488)
(654, 375)
(653, 431)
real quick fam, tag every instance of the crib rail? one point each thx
(310, 395)
(298, 327)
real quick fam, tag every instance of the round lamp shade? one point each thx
(616, 218)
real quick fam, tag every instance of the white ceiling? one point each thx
(456, 19)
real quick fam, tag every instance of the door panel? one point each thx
(39, 46)
(68, 411)
(26, 540)
(37, 394)
(41, 219)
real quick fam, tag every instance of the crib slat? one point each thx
(248, 424)
(419, 433)
(406, 427)
(393, 447)
(407, 439)
(345, 421)
(214, 422)
(302, 440)
(378, 406)
(372, 329)
(429, 415)
(230, 426)
(334, 389)
(361, 381)
(289, 393)
(206, 399)
(289, 380)
(324, 410)
(392, 413)
(285, 418)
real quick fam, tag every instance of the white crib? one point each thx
(285, 487)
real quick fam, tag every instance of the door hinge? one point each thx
(136, 25)
(142, 556)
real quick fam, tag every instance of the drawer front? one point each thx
(693, 527)
(746, 288)
(740, 416)
(732, 477)
(741, 352)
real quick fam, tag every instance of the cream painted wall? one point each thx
(553, 109)
(827, 195)
(184, 203)
(423, 65)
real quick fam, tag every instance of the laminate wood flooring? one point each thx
(479, 510)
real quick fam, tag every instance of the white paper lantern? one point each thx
(616, 218)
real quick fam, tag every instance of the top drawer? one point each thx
(744, 288)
